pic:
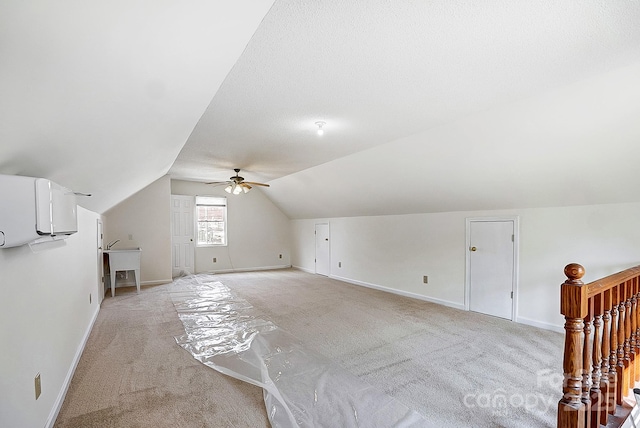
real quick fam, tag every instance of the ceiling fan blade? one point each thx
(218, 183)
(256, 184)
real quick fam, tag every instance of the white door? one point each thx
(323, 266)
(491, 267)
(182, 223)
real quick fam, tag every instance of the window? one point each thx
(211, 218)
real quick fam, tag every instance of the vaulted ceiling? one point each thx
(429, 105)
(101, 96)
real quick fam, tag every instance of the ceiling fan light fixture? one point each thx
(234, 188)
(236, 184)
(320, 124)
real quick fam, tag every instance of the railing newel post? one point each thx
(601, 362)
(573, 305)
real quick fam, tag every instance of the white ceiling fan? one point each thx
(237, 185)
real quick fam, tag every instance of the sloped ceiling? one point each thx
(429, 105)
(578, 145)
(101, 96)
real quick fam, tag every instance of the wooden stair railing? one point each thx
(602, 346)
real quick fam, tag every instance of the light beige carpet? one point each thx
(454, 367)
(133, 374)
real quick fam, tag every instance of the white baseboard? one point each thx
(250, 269)
(400, 292)
(540, 324)
(521, 320)
(304, 269)
(67, 381)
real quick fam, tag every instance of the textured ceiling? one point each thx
(380, 71)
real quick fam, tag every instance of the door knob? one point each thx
(472, 248)
(191, 239)
(326, 239)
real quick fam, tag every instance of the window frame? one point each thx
(201, 201)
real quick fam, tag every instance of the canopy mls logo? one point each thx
(503, 403)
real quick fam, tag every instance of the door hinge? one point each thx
(512, 294)
(513, 238)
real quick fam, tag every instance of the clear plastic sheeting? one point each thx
(301, 387)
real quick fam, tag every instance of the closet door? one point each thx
(323, 264)
(491, 267)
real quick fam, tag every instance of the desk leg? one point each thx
(137, 272)
(113, 282)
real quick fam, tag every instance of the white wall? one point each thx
(395, 251)
(45, 317)
(258, 232)
(146, 216)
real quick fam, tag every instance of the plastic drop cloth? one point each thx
(301, 387)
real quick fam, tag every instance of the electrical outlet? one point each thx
(38, 386)
(339, 264)
(130, 237)
(215, 260)
(425, 279)
(280, 256)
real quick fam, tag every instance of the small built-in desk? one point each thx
(124, 260)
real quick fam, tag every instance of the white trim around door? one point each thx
(516, 268)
